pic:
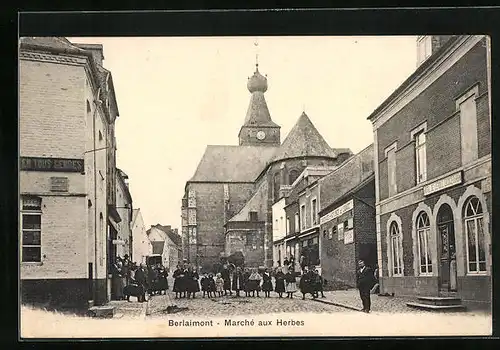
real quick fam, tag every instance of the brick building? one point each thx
(347, 219)
(432, 140)
(124, 239)
(67, 171)
(227, 206)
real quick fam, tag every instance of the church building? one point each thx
(227, 205)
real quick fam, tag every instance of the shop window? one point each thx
(31, 229)
(474, 233)
(423, 245)
(396, 252)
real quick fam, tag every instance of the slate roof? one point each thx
(232, 163)
(304, 140)
(257, 112)
(50, 42)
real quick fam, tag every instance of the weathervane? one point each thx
(256, 44)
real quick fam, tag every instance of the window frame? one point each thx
(475, 219)
(30, 212)
(425, 231)
(302, 217)
(314, 211)
(297, 222)
(398, 237)
(392, 147)
(420, 169)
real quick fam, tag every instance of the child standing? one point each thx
(291, 284)
(211, 285)
(219, 284)
(267, 285)
(280, 282)
(204, 284)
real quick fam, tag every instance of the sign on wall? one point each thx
(59, 184)
(52, 164)
(348, 236)
(443, 183)
(337, 212)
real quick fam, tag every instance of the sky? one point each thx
(176, 95)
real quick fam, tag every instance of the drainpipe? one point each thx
(97, 103)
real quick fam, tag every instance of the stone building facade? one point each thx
(432, 140)
(67, 149)
(227, 206)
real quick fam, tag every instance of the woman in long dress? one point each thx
(118, 280)
(280, 282)
(192, 284)
(267, 284)
(290, 284)
(178, 275)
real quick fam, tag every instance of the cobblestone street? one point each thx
(232, 306)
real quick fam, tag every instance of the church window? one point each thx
(292, 176)
(276, 186)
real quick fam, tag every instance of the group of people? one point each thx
(239, 280)
(131, 279)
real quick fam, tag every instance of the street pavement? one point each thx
(233, 306)
(128, 309)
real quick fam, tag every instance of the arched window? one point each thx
(292, 176)
(474, 233)
(396, 243)
(423, 245)
(276, 186)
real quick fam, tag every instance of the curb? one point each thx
(332, 303)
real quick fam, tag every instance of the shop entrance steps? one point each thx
(440, 303)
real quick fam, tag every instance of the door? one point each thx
(447, 259)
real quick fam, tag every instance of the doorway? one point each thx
(447, 258)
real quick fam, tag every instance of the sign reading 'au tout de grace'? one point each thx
(443, 183)
(52, 164)
(337, 212)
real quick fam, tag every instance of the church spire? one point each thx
(258, 127)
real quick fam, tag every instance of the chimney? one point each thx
(96, 50)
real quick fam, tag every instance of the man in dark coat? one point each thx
(141, 278)
(225, 273)
(365, 282)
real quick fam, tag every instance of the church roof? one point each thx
(304, 140)
(232, 163)
(257, 112)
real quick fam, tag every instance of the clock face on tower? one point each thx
(261, 135)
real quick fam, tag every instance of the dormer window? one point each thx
(424, 48)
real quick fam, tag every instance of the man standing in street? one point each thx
(364, 284)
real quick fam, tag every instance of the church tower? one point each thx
(258, 128)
